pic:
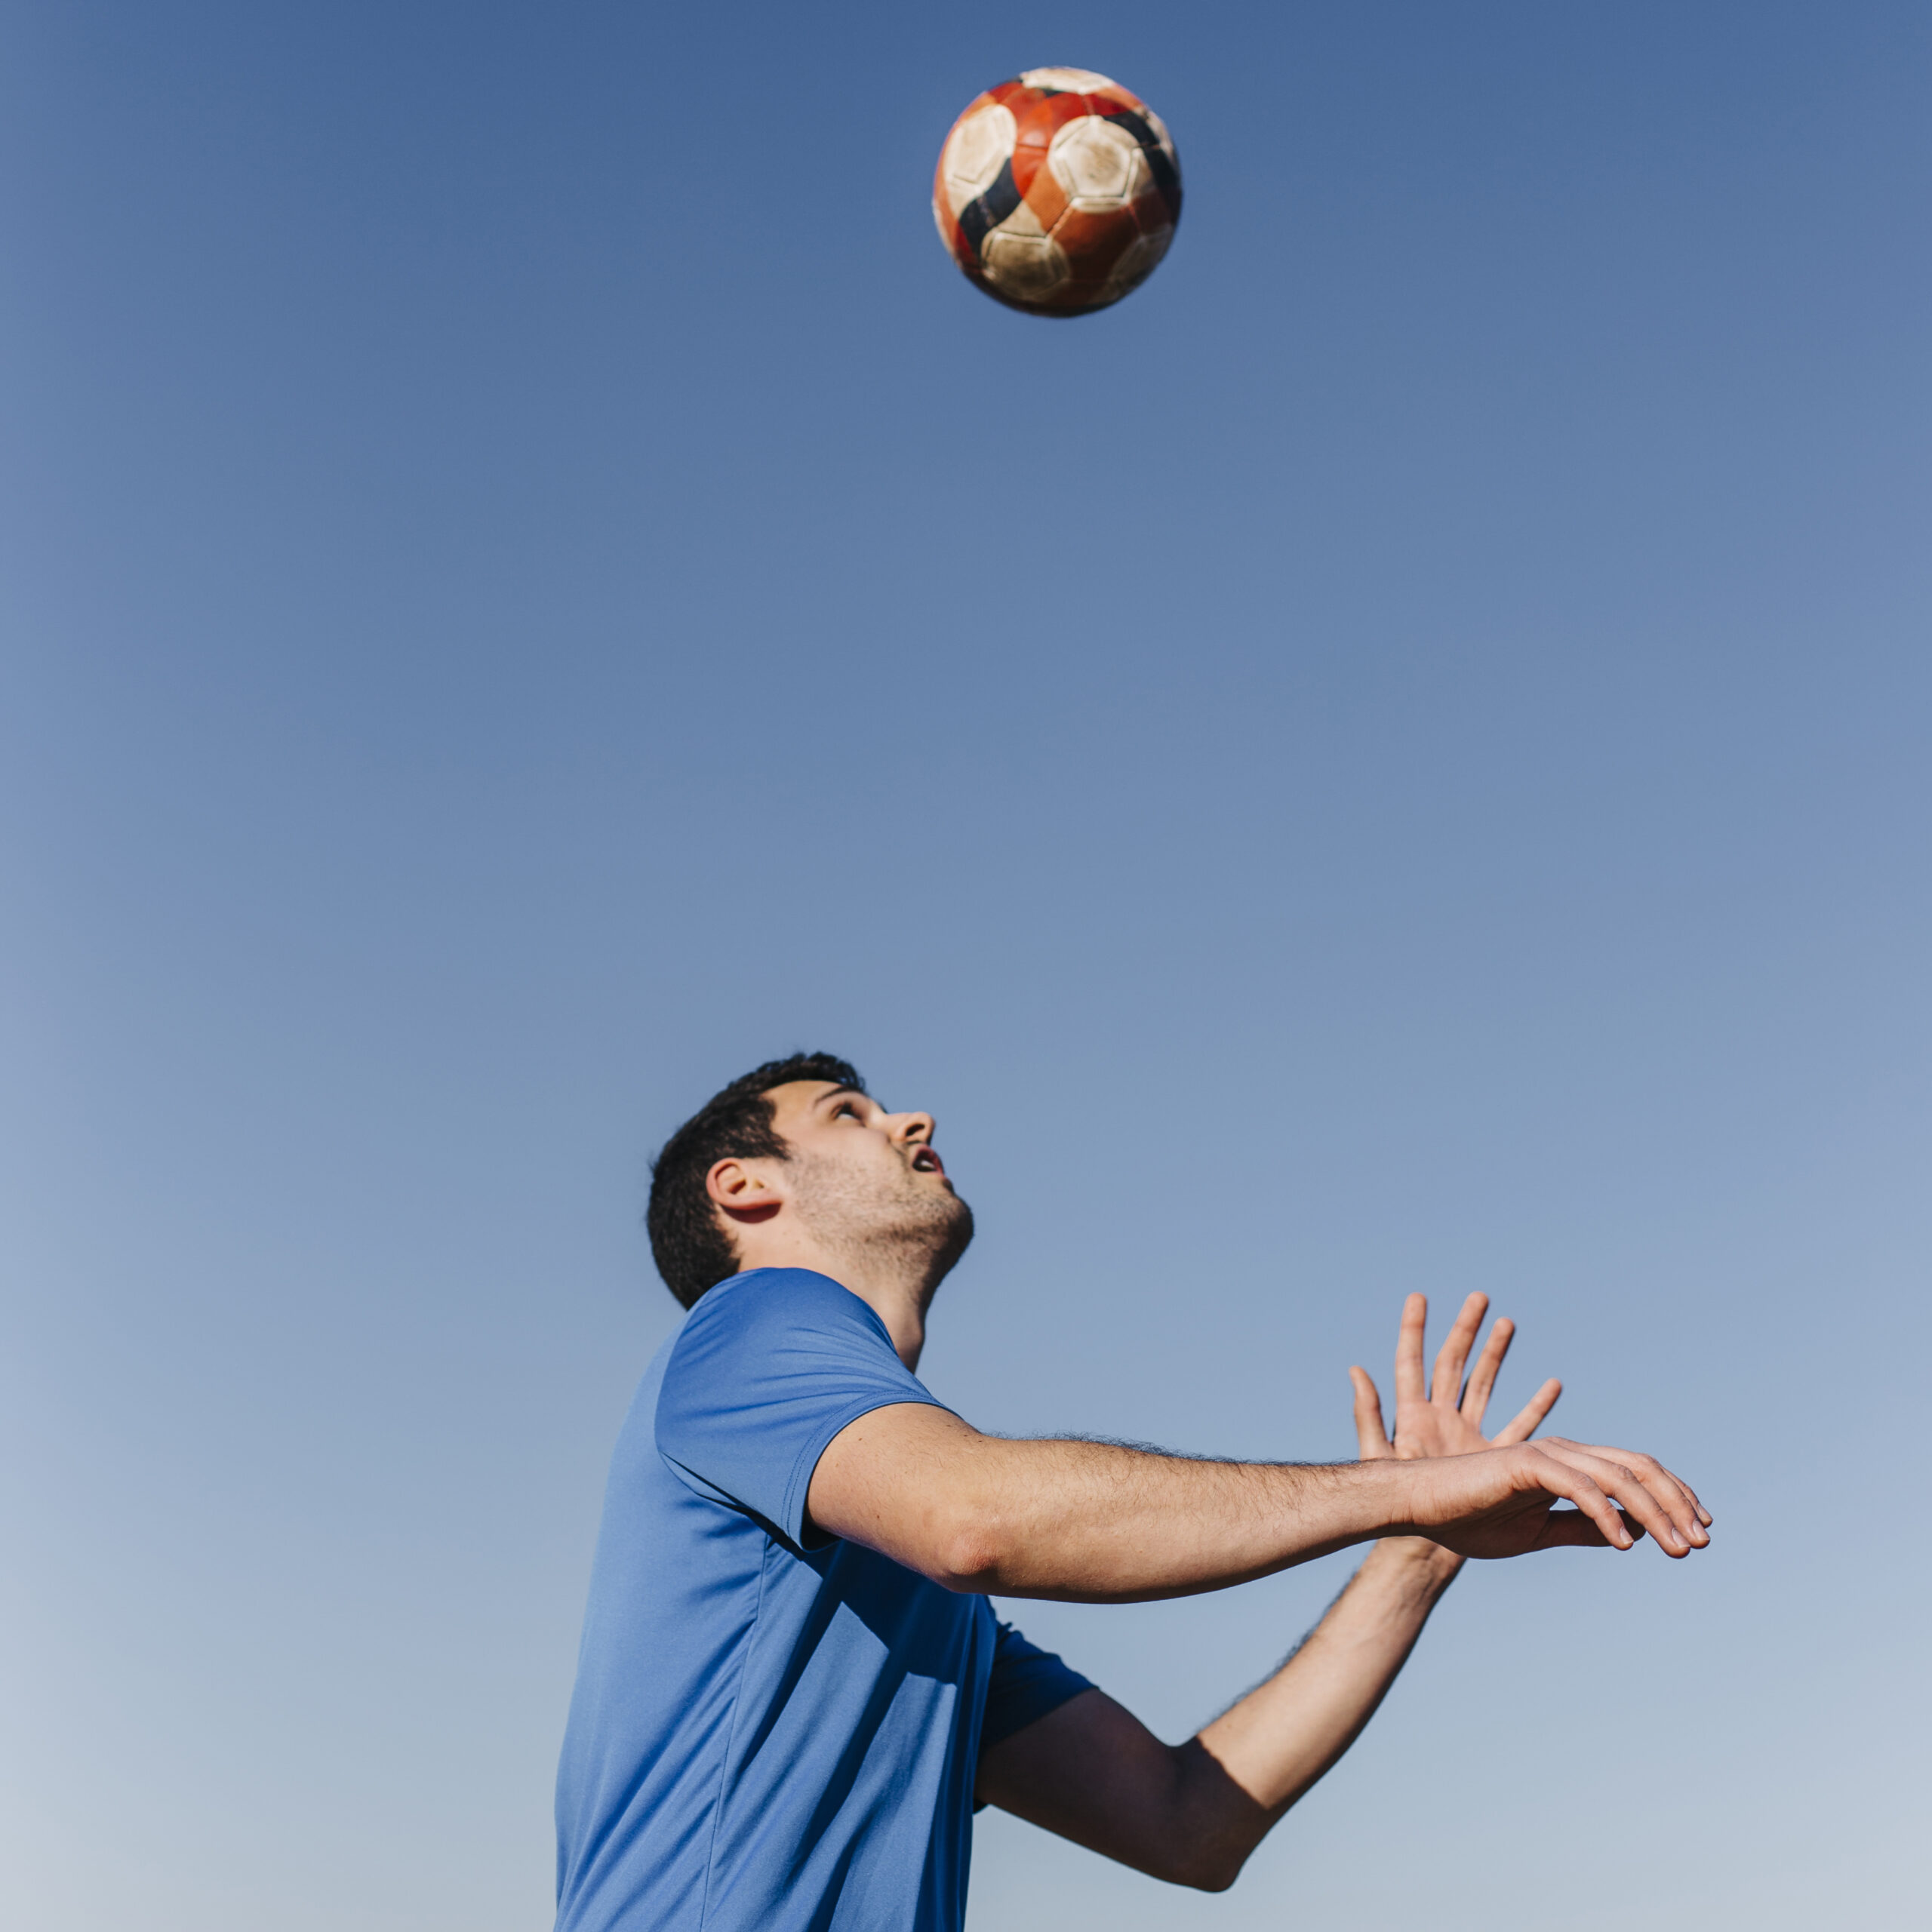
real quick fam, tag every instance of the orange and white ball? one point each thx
(1058, 192)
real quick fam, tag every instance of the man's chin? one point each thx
(957, 1237)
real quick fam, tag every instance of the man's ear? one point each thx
(746, 1190)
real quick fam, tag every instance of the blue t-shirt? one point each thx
(766, 1737)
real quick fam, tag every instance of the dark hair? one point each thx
(691, 1246)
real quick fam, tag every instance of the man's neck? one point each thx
(892, 1293)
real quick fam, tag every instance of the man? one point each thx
(792, 1691)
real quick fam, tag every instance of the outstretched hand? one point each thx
(1444, 1417)
(1505, 1504)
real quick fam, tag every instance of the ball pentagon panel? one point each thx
(1057, 192)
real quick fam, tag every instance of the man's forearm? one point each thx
(1092, 1521)
(1283, 1736)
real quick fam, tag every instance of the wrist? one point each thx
(1396, 1501)
(1416, 1563)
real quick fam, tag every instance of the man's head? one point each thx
(795, 1164)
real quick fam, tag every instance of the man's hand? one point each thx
(1444, 1417)
(1502, 1501)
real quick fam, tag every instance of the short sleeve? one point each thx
(768, 1367)
(1027, 1683)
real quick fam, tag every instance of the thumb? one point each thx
(1525, 1423)
(1571, 1529)
(1371, 1438)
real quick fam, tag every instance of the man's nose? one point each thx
(913, 1127)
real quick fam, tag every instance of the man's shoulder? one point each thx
(765, 1303)
(754, 1388)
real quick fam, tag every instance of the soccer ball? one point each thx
(1057, 193)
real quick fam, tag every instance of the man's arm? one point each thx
(1190, 1813)
(1094, 1522)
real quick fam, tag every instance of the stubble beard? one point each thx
(883, 1221)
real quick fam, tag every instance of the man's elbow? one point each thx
(970, 1552)
(1203, 1868)
(972, 1565)
(1217, 1878)
(1203, 1846)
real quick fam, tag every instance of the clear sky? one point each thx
(1397, 759)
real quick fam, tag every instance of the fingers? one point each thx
(1529, 1418)
(1370, 1435)
(1446, 1387)
(1687, 1513)
(1482, 1379)
(1705, 1518)
(1686, 1510)
(1410, 1385)
(1644, 1488)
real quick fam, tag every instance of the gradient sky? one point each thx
(1397, 759)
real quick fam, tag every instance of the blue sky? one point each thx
(1396, 758)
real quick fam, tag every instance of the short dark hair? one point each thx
(691, 1246)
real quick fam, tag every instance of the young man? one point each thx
(792, 1692)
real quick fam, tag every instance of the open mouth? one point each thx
(925, 1162)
